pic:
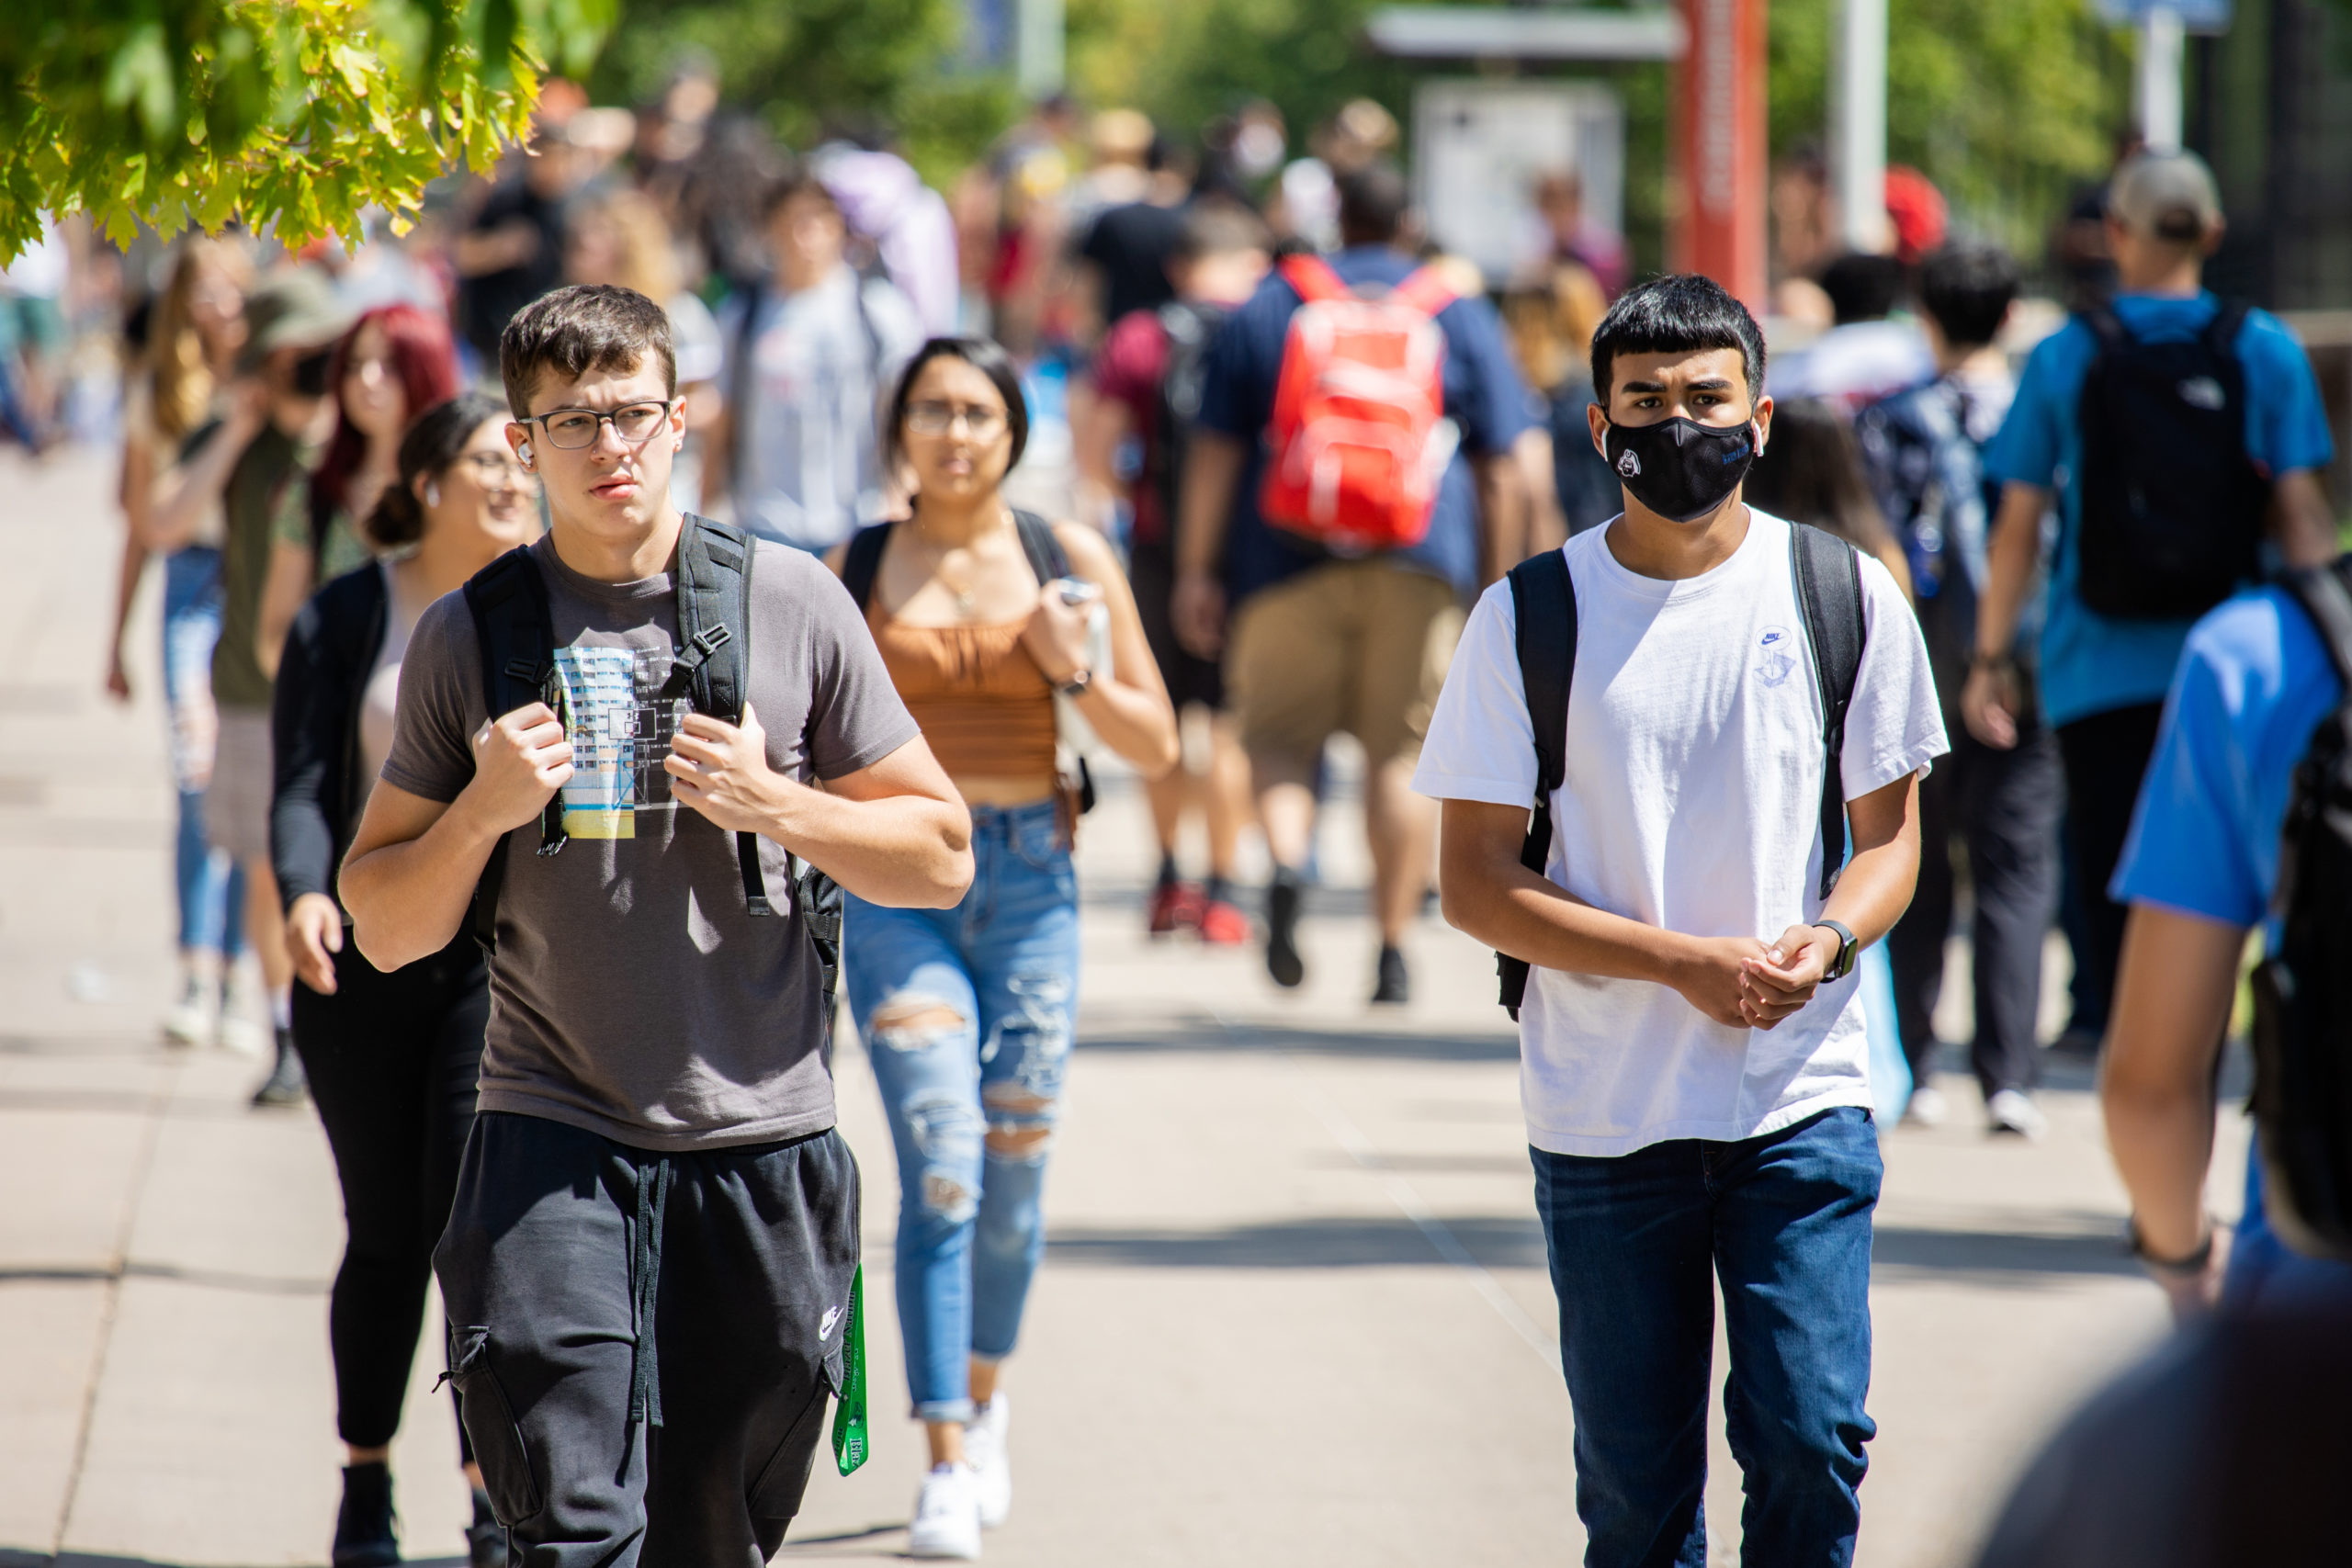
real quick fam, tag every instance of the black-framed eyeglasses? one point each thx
(572, 429)
(928, 418)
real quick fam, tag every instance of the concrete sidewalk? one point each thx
(1295, 1308)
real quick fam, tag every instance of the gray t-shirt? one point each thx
(632, 994)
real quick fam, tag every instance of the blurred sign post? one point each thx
(1719, 117)
(1480, 145)
(1858, 124)
(2163, 27)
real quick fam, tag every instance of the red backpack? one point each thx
(1359, 438)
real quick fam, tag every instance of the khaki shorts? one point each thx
(237, 802)
(1356, 645)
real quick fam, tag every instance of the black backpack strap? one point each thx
(713, 659)
(2324, 597)
(1046, 557)
(2107, 328)
(863, 561)
(1543, 605)
(508, 600)
(1828, 573)
(2222, 331)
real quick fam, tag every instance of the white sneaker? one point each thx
(1926, 1107)
(947, 1514)
(2011, 1111)
(240, 1034)
(984, 1451)
(195, 1019)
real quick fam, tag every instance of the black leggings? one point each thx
(392, 1060)
(2107, 757)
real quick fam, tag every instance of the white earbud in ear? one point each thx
(432, 493)
(522, 450)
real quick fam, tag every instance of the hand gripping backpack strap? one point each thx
(713, 648)
(1828, 573)
(1543, 605)
(508, 602)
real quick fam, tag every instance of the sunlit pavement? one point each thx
(1294, 1310)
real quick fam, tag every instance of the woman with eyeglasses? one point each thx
(982, 617)
(395, 362)
(391, 1058)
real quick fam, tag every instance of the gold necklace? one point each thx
(967, 600)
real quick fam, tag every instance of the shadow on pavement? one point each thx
(1993, 1256)
(1200, 1033)
(1496, 1241)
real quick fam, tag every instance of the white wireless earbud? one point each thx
(522, 450)
(432, 493)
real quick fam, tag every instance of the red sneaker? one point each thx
(1174, 907)
(1223, 924)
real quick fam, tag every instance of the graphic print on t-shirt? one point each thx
(619, 726)
(1778, 657)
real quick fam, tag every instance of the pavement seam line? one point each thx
(1401, 1192)
(158, 1103)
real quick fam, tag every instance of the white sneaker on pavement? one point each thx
(1926, 1108)
(195, 1019)
(984, 1451)
(2012, 1110)
(947, 1514)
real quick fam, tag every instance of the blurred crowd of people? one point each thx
(289, 419)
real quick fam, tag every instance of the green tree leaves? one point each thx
(285, 114)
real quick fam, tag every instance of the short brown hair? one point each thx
(581, 328)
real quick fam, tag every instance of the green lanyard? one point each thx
(849, 1416)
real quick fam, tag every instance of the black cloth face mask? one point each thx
(1678, 468)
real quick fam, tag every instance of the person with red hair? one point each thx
(394, 363)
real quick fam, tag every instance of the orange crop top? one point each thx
(984, 705)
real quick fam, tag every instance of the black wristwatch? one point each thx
(1077, 685)
(1847, 951)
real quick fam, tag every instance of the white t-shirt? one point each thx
(1691, 802)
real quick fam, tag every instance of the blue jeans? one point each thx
(211, 886)
(966, 1014)
(1783, 1220)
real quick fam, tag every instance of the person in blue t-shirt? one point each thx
(2255, 681)
(2103, 677)
(1317, 642)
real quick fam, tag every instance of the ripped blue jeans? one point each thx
(966, 1014)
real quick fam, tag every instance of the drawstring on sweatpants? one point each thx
(645, 1279)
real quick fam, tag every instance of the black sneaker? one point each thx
(362, 1528)
(1396, 987)
(286, 1085)
(1283, 960)
(485, 1537)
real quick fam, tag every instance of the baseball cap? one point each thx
(2167, 195)
(294, 309)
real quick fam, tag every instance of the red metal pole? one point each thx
(1720, 126)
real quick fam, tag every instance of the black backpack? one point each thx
(1047, 558)
(2302, 991)
(1190, 327)
(516, 634)
(1829, 576)
(2172, 506)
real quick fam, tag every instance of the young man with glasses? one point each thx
(656, 1225)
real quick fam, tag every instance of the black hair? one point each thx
(581, 328)
(1810, 471)
(1372, 203)
(435, 439)
(1681, 313)
(1968, 290)
(801, 179)
(983, 356)
(1862, 288)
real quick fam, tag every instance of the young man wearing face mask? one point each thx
(1693, 1061)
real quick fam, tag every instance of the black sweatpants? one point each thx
(2106, 756)
(643, 1343)
(392, 1061)
(2005, 807)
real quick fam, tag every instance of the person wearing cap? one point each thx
(278, 403)
(2103, 676)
